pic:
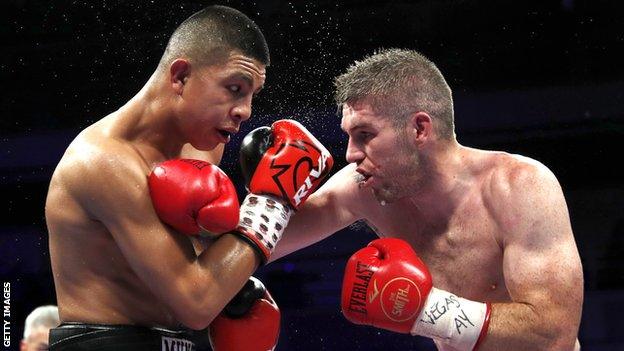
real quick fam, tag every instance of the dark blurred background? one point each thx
(541, 78)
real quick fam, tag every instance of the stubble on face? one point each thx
(402, 177)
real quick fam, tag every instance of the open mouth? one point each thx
(363, 179)
(226, 136)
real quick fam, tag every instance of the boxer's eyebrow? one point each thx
(362, 125)
(248, 79)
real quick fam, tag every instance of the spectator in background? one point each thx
(37, 328)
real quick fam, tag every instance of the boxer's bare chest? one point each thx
(460, 250)
(84, 250)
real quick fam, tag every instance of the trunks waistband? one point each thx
(102, 337)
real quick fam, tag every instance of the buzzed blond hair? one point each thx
(397, 83)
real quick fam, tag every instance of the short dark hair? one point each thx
(209, 35)
(397, 83)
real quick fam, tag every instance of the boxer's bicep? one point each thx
(329, 209)
(118, 196)
(541, 264)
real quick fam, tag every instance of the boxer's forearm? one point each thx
(219, 273)
(299, 235)
(319, 217)
(294, 240)
(519, 326)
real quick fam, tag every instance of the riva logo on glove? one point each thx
(303, 190)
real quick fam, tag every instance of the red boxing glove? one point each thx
(191, 195)
(387, 285)
(250, 322)
(285, 161)
(282, 166)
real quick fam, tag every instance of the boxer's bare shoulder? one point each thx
(518, 190)
(540, 259)
(91, 160)
(93, 279)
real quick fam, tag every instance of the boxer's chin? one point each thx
(206, 146)
(386, 195)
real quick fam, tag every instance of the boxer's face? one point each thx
(386, 161)
(217, 99)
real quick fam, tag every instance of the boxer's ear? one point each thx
(179, 72)
(420, 126)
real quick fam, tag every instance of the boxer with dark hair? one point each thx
(123, 203)
(477, 250)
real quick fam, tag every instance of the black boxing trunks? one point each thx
(101, 337)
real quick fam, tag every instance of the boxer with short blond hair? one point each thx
(477, 250)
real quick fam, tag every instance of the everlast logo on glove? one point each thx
(357, 300)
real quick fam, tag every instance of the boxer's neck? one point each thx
(446, 176)
(148, 119)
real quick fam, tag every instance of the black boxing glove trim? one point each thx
(254, 146)
(241, 303)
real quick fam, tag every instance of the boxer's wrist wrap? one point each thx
(263, 219)
(460, 323)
